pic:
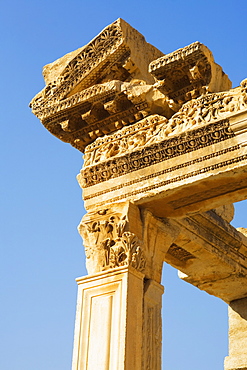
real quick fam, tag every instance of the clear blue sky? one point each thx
(41, 251)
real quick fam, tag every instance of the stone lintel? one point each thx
(195, 171)
(212, 255)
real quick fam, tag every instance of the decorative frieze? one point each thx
(209, 108)
(171, 169)
(146, 155)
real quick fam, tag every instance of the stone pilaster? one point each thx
(108, 329)
(152, 326)
(118, 323)
(237, 359)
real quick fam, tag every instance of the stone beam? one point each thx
(200, 169)
(211, 254)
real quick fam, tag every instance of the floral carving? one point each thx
(129, 252)
(208, 108)
(109, 245)
(123, 141)
(154, 151)
(79, 67)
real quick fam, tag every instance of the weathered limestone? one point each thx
(152, 326)
(108, 331)
(237, 359)
(118, 322)
(187, 73)
(208, 251)
(165, 144)
(85, 93)
(123, 236)
(145, 164)
(213, 256)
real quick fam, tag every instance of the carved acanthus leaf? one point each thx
(108, 245)
(129, 252)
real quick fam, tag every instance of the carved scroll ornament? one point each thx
(113, 159)
(209, 108)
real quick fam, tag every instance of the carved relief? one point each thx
(124, 141)
(103, 109)
(83, 88)
(208, 108)
(153, 338)
(86, 63)
(147, 155)
(193, 114)
(123, 235)
(108, 244)
(105, 86)
(188, 73)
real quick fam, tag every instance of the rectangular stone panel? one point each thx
(108, 321)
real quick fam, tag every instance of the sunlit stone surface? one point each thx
(164, 139)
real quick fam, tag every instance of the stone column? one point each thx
(118, 320)
(237, 359)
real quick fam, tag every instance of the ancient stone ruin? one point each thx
(164, 139)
